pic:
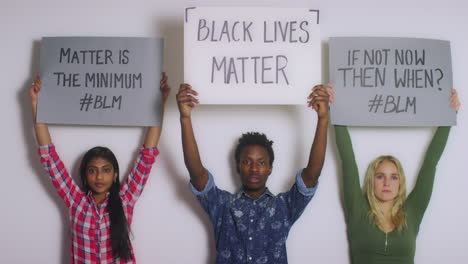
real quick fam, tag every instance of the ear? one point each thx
(115, 177)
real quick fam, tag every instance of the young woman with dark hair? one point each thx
(101, 212)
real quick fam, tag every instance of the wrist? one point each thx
(185, 118)
(323, 119)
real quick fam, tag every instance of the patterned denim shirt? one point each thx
(253, 231)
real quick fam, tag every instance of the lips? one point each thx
(253, 180)
(386, 191)
(99, 185)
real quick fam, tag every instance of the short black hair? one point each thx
(254, 138)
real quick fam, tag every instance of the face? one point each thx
(99, 175)
(386, 181)
(254, 168)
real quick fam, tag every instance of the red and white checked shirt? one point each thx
(90, 223)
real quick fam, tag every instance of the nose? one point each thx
(386, 181)
(99, 175)
(254, 167)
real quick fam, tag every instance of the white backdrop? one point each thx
(169, 225)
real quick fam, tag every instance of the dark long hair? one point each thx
(119, 229)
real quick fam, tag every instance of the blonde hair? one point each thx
(376, 216)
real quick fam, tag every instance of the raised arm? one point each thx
(153, 133)
(42, 131)
(352, 193)
(62, 181)
(186, 101)
(135, 182)
(353, 198)
(421, 193)
(319, 102)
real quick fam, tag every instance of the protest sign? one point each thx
(391, 81)
(250, 55)
(100, 81)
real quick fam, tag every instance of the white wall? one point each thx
(169, 225)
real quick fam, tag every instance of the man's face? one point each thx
(254, 168)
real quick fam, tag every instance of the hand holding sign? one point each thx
(186, 100)
(33, 94)
(454, 101)
(320, 99)
(164, 88)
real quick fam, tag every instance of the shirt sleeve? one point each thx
(297, 198)
(212, 199)
(353, 198)
(66, 187)
(421, 194)
(133, 186)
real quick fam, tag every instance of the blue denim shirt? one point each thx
(253, 231)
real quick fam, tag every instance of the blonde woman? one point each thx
(383, 223)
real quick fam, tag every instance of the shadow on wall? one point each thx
(331, 130)
(33, 158)
(173, 32)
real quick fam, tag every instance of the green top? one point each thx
(368, 243)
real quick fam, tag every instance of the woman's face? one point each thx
(99, 175)
(386, 181)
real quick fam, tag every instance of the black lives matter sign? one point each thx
(245, 55)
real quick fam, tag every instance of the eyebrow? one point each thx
(104, 166)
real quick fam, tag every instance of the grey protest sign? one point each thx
(100, 81)
(391, 81)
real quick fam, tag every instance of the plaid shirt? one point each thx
(90, 223)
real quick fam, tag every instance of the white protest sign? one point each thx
(100, 81)
(252, 55)
(391, 81)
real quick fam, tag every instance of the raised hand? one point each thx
(319, 99)
(454, 101)
(33, 93)
(186, 100)
(164, 88)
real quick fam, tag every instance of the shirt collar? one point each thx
(242, 192)
(91, 198)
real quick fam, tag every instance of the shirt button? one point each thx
(250, 258)
(250, 238)
(251, 220)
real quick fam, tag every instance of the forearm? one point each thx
(422, 190)
(314, 167)
(437, 146)
(198, 174)
(152, 137)
(351, 186)
(134, 184)
(154, 133)
(345, 149)
(42, 134)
